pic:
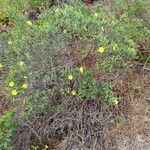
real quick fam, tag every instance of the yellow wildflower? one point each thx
(14, 92)
(101, 49)
(46, 147)
(115, 46)
(9, 42)
(133, 50)
(57, 10)
(73, 92)
(115, 101)
(65, 31)
(29, 23)
(96, 14)
(85, 28)
(11, 84)
(24, 86)
(113, 22)
(1, 66)
(70, 77)
(25, 77)
(21, 63)
(81, 69)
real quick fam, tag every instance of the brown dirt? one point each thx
(134, 133)
(6, 105)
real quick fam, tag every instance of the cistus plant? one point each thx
(53, 55)
(37, 51)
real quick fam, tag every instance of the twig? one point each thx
(148, 69)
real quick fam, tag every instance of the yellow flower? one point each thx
(21, 63)
(1, 66)
(9, 42)
(113, 22)
(11, 84)
(115, 46)
(96, 14)
(14, 92)
(70, 77)
(57, 10)
(115, 101)
(46, 147)
(65, 31)
(101, 49)
(133, 50)
(81, 69)
(25, 77)
(73, 92)
(29, 23)
(24, 86)
(85, 28)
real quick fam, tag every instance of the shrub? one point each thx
(36, 52)
(61, 54)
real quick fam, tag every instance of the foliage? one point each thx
(84, 84)
(7, 128)
(34, 51)
(38, 67)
